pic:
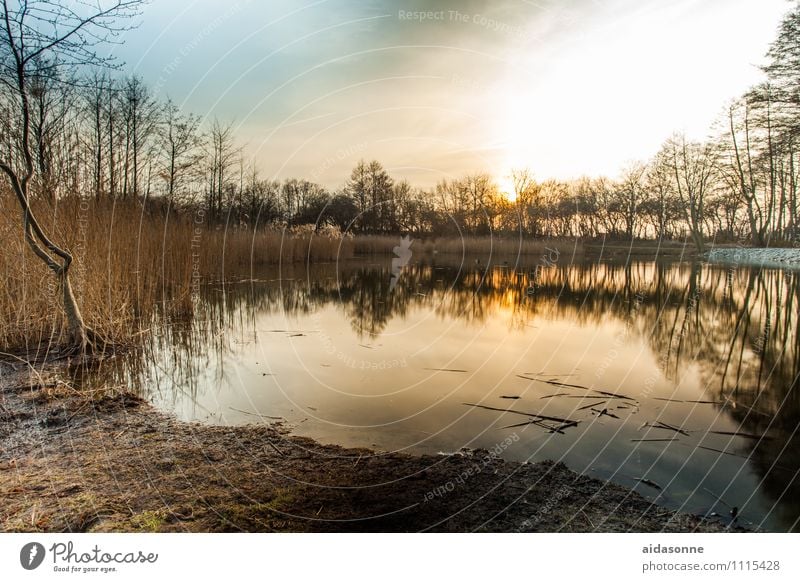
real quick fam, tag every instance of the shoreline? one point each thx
(109, 462)
(781, 258)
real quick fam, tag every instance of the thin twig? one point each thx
(540, 416)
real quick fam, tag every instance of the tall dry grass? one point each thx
(131, 261)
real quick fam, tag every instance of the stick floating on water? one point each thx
(531, 414)
(578, 387)
(665, 426)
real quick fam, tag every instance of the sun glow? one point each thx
(506, 186)
(574, 107)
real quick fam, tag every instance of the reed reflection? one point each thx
(737, 328)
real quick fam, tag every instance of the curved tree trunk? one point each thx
(57, 260)
(34, 42)
(79, 335)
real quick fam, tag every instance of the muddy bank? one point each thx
(107, 461)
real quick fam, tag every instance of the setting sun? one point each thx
(505, 185)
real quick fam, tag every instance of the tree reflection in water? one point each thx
(737, 328)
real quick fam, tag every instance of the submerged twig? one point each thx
(605, 412)
(652, 484)
(531, 414)
(665, 426)
(675, 400)
(744, 435)
(554, 395)
(592, 405)
(582, 396)
(723, 452)
(256, 414)
(577, 386)
(539, 423)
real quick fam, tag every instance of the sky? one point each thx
(439, 89)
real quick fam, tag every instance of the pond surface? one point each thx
(678, 380)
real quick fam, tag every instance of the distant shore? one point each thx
(773, 257)
(107, 461)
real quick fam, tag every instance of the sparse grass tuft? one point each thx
(149, 521)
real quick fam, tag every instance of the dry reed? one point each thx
(131, 261)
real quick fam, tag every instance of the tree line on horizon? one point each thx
(112, 138)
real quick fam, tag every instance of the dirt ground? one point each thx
(107, 461)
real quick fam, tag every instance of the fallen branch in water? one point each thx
(723, 452)
(744, 435)
(565, 421)
(665, 426)
(642, 480)
(577, 386)
(256, 414)
(605, 412)
(582, 396)
(539, 423)
(689, 401)
(549, 375)
(652, 484)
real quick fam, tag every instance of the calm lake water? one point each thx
(682, 377)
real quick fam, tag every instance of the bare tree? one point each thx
(180, 142)
(745, 171)
(95, 99)
(660, 203)
(526, 199)
(371, 188)
(258, 204)
(140, 114)
(37, 39)
(631, 194)
(50, 110)
(693, 170)
(783, 67)
(224, 154)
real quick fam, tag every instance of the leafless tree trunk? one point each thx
(180, 142)
(693, 172)
(35, 38)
